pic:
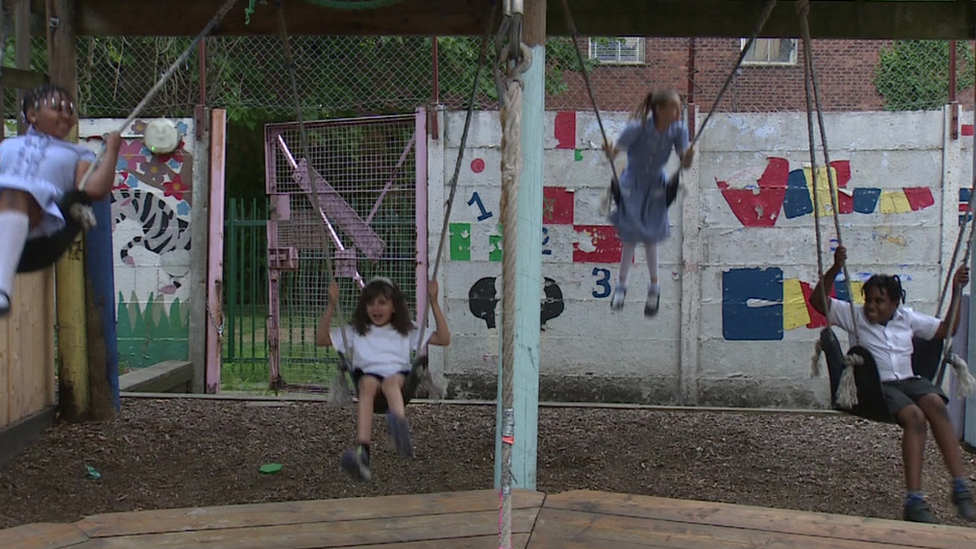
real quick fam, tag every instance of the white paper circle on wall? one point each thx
(161, 136)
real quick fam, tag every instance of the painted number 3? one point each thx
(603, 283)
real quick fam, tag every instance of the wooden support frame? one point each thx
(906, 19)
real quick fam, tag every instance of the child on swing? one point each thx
(36, 170)
(886, 330)
(380, 338)
(653, 131)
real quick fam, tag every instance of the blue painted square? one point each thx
(866, 199)
(742, 321)
(797, 201)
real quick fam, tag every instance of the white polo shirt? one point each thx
(890, 344)
(381, 350)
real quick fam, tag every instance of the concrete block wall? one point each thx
(734, 328)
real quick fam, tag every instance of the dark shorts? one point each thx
(899, 394)
(358, 374)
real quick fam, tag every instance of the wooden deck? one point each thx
(469, 520)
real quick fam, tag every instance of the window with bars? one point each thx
(770, 51)
(619, 50)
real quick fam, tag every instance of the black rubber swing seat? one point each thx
(672, 188)
(42, 252)
(926, 360)
(410, 385)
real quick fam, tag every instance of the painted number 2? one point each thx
(603, 283)
(475, 199)
(545, 241)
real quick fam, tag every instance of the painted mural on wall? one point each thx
(151, 203)
(760, 196)
(757, 303)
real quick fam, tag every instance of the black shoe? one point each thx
(964, 505)
(4, 304)
(918, 510)
(653, 302)
(356, 463)
(400, 432)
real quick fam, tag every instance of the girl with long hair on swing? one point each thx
(381, 337)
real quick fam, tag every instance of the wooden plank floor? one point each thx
(469, 520)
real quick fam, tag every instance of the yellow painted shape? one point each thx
(795, 314)
(857, 294)
(823, 188)
(894, 202)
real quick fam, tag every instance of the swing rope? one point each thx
(763, 17)
(217, 18)
(847, 390)
(517, 58)
(339, 393)
(570, 23)
(445, 226)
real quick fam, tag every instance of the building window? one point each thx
(617, 50)
(770, 51)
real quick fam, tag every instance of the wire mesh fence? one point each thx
(365, 174)
(348, 75)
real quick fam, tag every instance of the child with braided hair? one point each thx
(37, 170)
(653, 131)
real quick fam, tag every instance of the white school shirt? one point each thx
(43, 166)
(381, 350)
(890, 344)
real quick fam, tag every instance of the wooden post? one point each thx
(528, 282)
(199, 238)
(70, 270)
(215, 274)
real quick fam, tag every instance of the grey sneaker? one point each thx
(964, 505)
(919, 511)
(653, 301)
(617, 300)
(400, 433)
(356, 463)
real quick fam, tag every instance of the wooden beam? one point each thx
(21, 79)
(868, 19)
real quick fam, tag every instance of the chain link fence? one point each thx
(347, 76)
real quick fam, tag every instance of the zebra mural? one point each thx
(163, 231)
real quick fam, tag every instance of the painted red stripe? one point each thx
(565, 130)
(967, 129)
(604, 239)
(919, 198)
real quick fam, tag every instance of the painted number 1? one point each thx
(475, 199)
(603, 283)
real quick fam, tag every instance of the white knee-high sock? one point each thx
(626, 258)
(651, 249)
(14, 227)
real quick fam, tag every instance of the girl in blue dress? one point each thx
(653, 131)
(36, 170)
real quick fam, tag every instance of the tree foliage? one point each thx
(914, 74)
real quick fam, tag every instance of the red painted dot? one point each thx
(477, 165)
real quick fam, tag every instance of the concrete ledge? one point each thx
(18, 436)
(172, 376)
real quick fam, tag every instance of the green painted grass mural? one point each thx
(151, 334)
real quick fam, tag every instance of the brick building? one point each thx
(770, 79)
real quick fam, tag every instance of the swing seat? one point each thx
(410, 385)
(671, 187)
(42, 252)
(926, 360)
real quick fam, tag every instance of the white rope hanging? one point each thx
(517, 58)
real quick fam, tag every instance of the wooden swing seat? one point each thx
(926, 360)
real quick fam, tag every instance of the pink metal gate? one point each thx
(371, 178)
